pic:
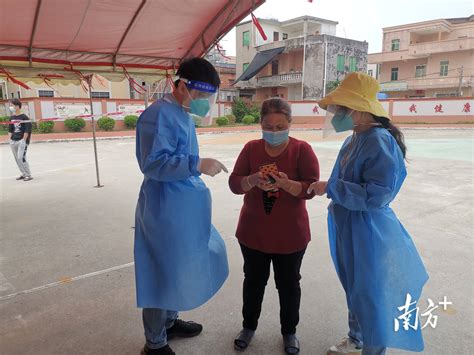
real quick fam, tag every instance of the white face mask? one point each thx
(12, 108)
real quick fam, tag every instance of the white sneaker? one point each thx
(345, 346)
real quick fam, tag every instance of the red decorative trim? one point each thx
(92, 64)
(11, 78)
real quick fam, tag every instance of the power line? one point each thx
(434, 73)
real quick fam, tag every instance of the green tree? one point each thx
(239, 110)
(332, 85)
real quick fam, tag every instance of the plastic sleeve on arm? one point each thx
(379, 176)
(163, 163)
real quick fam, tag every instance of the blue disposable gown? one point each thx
(180, 258)
(375, 258)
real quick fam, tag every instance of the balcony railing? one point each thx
(279, 80)
(377, 58)
(394, 86)
(438, 82)
(428, 48)
(289, 44)
(423, 50)
(425, 83)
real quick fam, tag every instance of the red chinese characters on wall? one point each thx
(316, 110)
(413, 108)
(438, 108)
(467, 107)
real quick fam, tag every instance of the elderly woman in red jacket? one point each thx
(274, 173)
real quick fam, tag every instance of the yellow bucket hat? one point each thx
(358, 91)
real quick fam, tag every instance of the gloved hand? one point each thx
(211, 167)
(319, 188)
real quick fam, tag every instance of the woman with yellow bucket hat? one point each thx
(374, 256)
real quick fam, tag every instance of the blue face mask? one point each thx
(199, 107)
(275, 138)
(342, 121)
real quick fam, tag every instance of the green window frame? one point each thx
(246, 38)
(420, 71)
(341, 63)
(443, 68)
(395, 45)
(394, 74)
(352, 64)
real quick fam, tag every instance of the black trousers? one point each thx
(286, 268)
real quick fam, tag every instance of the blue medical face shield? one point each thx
(203, 97)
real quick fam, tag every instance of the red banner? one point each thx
(259, 27)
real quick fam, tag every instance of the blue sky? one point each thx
(362, 19)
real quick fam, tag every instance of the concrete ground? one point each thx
(67, 282)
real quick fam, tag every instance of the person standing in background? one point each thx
(20, 134)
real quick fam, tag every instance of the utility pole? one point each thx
(325, 74)
(461, 71)
(305, 34)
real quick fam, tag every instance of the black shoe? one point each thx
(291, 344)
(20, 177)
(243, 339)
(183, 329)
(165, 350)
(27, 178)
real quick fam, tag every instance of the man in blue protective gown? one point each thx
(180, 258)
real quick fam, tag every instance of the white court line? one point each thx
(76, 278)
(65, 281)
(52, 170)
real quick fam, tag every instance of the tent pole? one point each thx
(89, 82)
(146, 95)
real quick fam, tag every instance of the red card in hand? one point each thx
(268, 169)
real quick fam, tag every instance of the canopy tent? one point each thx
(146, 37)
(258, 62)
(67, 39)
